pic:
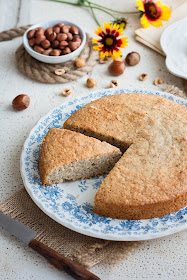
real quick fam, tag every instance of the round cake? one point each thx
(150, 179)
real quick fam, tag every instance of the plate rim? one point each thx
(66, 224)
(177, 72)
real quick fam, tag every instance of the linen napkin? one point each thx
(84, 250)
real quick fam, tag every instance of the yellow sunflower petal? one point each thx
(156, 23)
(95, 41)
(116, 29)
(109, 53)
(98, 31)
(116, 53)
(144, 21)
(107, 26)
(106, 53)
(140, 5)
(124, 42)
(102, 54)
(98, 48)
(120, 31)
(166, 13)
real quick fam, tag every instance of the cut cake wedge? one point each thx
(68, 155)
(150, 179)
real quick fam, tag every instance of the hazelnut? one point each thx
(48, 31)
(91, 83)
(38, 49)
(31, 33)
(103, 60)
(80, 62)
(69, 37)
(61, 37)
(63, 44)
(59, 24)
(74, 30)
(77, 40)
(114, 83)
(73, 45)
(39, 39)
(66, 51)
(65, 29)
(55, 44)
(59, 71)
(158, 81)
(75, 37)
(48, 51)
(51, 37)
(39, 31)
(56, 29)
(117, 67)
(132, 58)
(55, 52)
(66, 91)
(45, 44)
(143, 77)
(32, 42)
(21, 102)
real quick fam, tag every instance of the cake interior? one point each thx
(83, 169)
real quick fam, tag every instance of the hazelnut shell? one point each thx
(21, 102)
(116, 68)
(132, 58)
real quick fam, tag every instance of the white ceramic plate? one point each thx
(174, 44)
(71, 203)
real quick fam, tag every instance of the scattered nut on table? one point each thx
(143, 77)
(132, 58)
(80, 62)
(59, 71)
(103, 60)
(66, 91)
(114, 83)
(117, 67)
(158, 81)
(91, 83)
(21, 102)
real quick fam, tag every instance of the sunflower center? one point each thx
(152, 11)
(122, 25)
(109, 41)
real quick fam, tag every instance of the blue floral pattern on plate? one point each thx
(71, 203)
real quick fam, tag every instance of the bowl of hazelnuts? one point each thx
(54, 41)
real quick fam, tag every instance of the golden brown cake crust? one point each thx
(62, 146)
(144, 184)
(150, 180)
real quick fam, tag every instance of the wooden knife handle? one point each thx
(61, 262)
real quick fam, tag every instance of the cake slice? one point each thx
(144, 183)
(68, 155)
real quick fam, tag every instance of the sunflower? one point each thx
(152, 13)
(110, 42)
(122, 22)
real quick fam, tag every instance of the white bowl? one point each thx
(54, 59)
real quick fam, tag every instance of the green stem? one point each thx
(89, 2)
(94, 16)
(87, 6)
(70, 3)
(104, 11)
